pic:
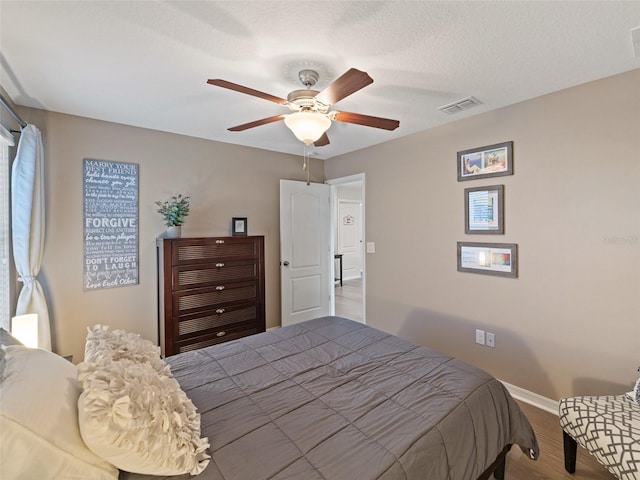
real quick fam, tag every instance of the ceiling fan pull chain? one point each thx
(305, 164)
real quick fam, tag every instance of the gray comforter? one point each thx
(334, 399)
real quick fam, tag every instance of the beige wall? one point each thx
(570, 324)
(223, 181)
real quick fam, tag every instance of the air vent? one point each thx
(460, 105)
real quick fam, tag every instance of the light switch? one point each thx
(371, 247)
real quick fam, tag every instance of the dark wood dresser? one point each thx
(210, 290)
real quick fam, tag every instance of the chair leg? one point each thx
(570, 452)
(498, 473)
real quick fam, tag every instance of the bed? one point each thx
(327, 399)
(331, 398)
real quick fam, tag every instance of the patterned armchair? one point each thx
(608, 427)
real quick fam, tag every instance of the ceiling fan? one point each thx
(311, 117)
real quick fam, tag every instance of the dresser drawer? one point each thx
(195, 276)
(212, 339)
(196, 300)
(213, 321)
(192, 251)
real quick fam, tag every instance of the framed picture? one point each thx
(500, 259)
(484, 210)
(239, 226)
(490, 161)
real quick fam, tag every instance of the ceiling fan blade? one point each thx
(322, 141)
(249, 91)
(350, 82)
(367, 120)
(257, 123)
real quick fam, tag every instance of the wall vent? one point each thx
(460, 105)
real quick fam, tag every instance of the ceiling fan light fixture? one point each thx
(307, 126)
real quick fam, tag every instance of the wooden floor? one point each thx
(349, 299)
(550, 464)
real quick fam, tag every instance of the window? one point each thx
(6, 141)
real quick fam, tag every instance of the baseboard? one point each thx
(538, 401)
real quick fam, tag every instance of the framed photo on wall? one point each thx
(239, 226)
(500, 259)
(484, 210)
(489, 161)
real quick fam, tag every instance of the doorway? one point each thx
(347, 233)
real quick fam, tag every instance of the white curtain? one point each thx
(27, 211)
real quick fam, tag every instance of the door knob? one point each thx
(285, 263)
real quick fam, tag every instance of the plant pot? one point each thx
(173, 232)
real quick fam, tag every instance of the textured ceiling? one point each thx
(145, 63)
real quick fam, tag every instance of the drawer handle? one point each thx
(220, 310)
(221, 334)
(220, 288)
(219, 265)
(219, 241)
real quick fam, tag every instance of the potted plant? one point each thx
(174, 212)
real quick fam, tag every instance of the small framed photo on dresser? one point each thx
(239, 226)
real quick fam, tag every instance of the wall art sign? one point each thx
(499, 259)
(490, 161)
(110, 192)
(484, 209)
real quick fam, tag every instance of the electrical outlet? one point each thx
(491, 340)
(480, 337)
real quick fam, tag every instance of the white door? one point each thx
(350, 239)
(305, 269)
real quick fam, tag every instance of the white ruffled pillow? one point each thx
(139, 420)
(118, 344)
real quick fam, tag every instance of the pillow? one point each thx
(7, 339)
(39, 419)
(139, 420)
(118, 344)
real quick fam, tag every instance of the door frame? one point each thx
(333, 183)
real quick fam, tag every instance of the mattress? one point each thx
(335, 399)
